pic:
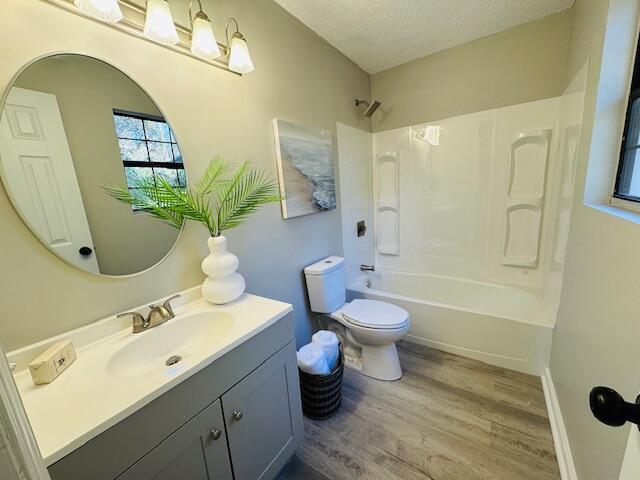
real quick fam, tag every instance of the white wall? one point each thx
(453, 195)
(298, 77)
(354, 170)
(562, 183)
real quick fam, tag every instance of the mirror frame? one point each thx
(26, 223)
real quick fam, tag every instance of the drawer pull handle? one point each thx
(237, 415)
(215, 434)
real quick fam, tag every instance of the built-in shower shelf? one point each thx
(387, 185)
(387, 205)
(530, 201)
(524, 204)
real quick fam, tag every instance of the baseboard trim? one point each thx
(560, 439)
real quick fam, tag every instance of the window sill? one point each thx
(618, 208)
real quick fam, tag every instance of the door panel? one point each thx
(40, 176)
(631, 463)
(264, 438)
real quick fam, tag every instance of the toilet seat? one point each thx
(375, 314)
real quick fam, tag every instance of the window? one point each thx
(148, 148)
(628, 178)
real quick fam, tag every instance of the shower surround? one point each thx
(471, 218)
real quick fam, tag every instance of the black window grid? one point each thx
(628, 150)
(630, 139)
(174, 165)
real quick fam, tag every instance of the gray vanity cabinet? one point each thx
(239, 418)
(197, 451)
(261, 414)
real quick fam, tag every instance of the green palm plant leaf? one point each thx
(212, 176)
(151, 205)
(217, 202)
(245, 195)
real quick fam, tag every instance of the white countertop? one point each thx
(87, 398)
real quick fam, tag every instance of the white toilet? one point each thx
(372, 325)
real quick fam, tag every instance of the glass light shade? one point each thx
(240, 60)
(105, 10)
(203, 42)
(158, 25)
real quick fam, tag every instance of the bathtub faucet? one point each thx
(367, 268)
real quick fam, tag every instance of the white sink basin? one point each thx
(187, 337)
(118, 372)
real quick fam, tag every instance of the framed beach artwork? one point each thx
(305, 169)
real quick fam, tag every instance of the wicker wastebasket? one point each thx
(322, 394)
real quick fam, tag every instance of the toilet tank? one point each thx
(326, 284)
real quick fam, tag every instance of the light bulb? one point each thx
(105, 10)
(203, 42)
(158, 25)
(239, 59)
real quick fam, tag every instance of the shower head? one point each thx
(371, 107)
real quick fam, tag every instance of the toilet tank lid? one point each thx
(324, 266)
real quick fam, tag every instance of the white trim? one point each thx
(560, 439)
(24, 448)
(625, 204)
(616, 211)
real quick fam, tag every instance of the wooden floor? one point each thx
(448, 418)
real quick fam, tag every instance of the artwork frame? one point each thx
(305, 160)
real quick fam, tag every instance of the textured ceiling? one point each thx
(380, 34)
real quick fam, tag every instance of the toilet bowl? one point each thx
(375, 326)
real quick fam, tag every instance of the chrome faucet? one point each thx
(158, 314)
(367, 268)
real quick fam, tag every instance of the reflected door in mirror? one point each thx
(40, 176)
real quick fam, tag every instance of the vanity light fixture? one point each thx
(203, 41)
(158, 24)
(106, 10)
(237, 50)
(153, 21)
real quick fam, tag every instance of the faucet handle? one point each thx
(139, 322)
(167, 304)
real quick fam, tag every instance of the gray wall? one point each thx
(87, 91)
(519, 65)
(596, 337)
(298, 77)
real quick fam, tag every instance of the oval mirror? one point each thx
(71, 125)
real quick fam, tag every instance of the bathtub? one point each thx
(497, 324)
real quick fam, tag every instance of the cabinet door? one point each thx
(263, 416)
(190, 453)
(214, 442)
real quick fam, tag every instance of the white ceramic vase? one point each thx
(223, 284)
